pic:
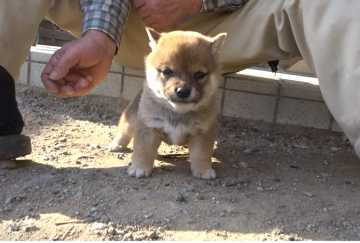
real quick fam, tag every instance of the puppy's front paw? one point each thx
(114, 147)
(137, 172)
(205, 174)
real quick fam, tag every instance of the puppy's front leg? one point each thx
(201, 149)
(146, 143)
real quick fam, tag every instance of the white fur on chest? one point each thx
(179, 134)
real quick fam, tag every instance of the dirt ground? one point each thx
(274, 182)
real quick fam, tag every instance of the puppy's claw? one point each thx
(206, 174)
(114, 147)
(138, 172)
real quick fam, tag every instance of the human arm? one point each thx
(80, 65)
(160, 14)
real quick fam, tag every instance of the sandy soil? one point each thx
(274, 182)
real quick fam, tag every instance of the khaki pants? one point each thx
(326, 33)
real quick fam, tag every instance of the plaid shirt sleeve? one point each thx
(227, 5)
(108, 16)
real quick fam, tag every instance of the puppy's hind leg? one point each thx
(125, 129)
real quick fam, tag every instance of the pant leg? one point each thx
(19, 21)
(329, 41)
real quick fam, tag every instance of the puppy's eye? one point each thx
(199, 75)
(167, 72)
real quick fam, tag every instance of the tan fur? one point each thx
(166, 110)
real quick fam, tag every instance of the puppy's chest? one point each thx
(177, 132)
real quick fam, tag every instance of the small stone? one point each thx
(60, 145)
(260, 189)
(334, 149)
(62, 139)
(99, 226)
(56, 238)
(111, 231)
(248, 151)
(80, 192)
(243, 165)
(148, 215)
(180, 198)
(199, 196)
(120, 232)
(138, 237)
(9, 200)
(29, 228)
(27, 225)
(309, 194)
(152, 235)
(7, 164)
(3, 172)
(85, 157)
(127, 236)
(190, 189)
(93, 209)
(13, 226)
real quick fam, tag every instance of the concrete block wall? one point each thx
(254, 94)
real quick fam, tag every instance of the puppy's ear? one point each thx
(217, 43)
(153, 37)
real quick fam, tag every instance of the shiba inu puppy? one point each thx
(177, 103)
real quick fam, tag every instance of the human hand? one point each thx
(160, 14)
(79, 65)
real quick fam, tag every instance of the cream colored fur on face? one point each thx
(160, 112)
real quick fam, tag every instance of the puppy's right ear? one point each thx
(153, 37)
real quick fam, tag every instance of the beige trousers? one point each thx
(326, 33)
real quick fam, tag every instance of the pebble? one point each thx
(120, 232)
(148, 215)
(334, 149)
(84, 157)
(190, 189)
(199, 196)
(56, 238)
(9, 200)
(13, 226)
(80, 192)
(127, 236)
(7, 164)
(138, 238)
(60, 145)
(152, 235)
(62, 139)
(27, 225)
(309, 194)
(260, 189)
(111, 231)
(3, 172)
(180, 198)
(248, 151)
(243, 165)
(99, 226)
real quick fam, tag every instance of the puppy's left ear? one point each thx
(217, 43)
(153, 37)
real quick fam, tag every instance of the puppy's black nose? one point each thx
(183, 92)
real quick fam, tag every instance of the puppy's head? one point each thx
(183, 68)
